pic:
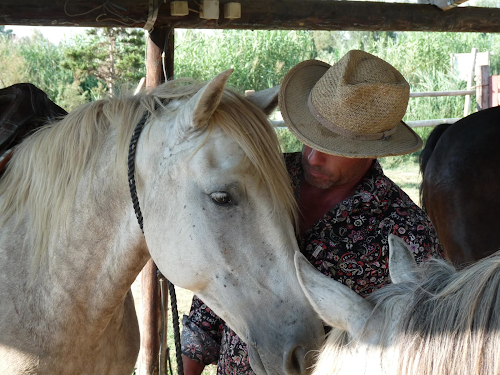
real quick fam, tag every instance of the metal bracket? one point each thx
(152, 15)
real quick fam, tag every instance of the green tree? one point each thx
(12, 63)
(5, 32)
(110, 56)
(43, 62)
(34, 59)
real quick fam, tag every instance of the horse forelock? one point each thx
(450, 323)
(251, 129)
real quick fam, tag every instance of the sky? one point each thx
(53, 33)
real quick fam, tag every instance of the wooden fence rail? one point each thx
(442, 93)
(486, 92)
(280, 124)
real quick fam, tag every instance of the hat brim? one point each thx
(293, 99)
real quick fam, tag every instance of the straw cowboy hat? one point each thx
(353, 108)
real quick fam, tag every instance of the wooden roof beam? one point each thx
(257, 14)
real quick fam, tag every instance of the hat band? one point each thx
(344, 132)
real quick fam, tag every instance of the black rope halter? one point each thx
(135, 201)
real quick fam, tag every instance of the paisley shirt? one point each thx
(348, 244)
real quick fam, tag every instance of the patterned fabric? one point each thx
(348, 244)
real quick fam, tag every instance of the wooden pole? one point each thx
(154, 66)
(470, 82)
(483, 88)
(494, 85)
(150, 343)
(151, 327)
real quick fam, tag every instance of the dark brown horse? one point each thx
(460, 191)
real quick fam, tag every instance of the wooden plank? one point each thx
(441, 93)
(470, 81)
(257, 14)
(434, 122)
(482, 88)
(494, 89)
(280, 124)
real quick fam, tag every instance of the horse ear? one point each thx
(266, 100)
(206, 100)
(402, 265)
(334, 302)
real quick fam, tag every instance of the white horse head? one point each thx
(430, 320)
(217, 208)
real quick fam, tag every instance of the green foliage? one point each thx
(12, 63)
(38, 61)
(260, 59)
(43, 66)
(89, 66)
(107, 58)
(287, 140)
(5, 32)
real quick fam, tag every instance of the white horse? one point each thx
(215, 198)
(431, 320)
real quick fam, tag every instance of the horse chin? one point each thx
(295, 361)
(255, 361)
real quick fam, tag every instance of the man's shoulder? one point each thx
(291, 157)
(392, 188)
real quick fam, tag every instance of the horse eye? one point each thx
(221, 198)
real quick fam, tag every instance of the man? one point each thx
(346, 115)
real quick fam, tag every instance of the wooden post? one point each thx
(482, 88)
(150, 338)
(470, 82)
(150, 342)
(494, 88)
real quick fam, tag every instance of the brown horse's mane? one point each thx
(425, 155)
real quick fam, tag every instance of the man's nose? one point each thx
(316, 157)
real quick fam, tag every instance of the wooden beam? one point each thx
(256, 14)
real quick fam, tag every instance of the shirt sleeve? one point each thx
(201, 333)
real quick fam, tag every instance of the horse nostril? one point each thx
(295, 361)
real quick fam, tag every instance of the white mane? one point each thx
(449, 324)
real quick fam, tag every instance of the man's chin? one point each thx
(321, 183)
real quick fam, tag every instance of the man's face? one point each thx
(324, 170)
